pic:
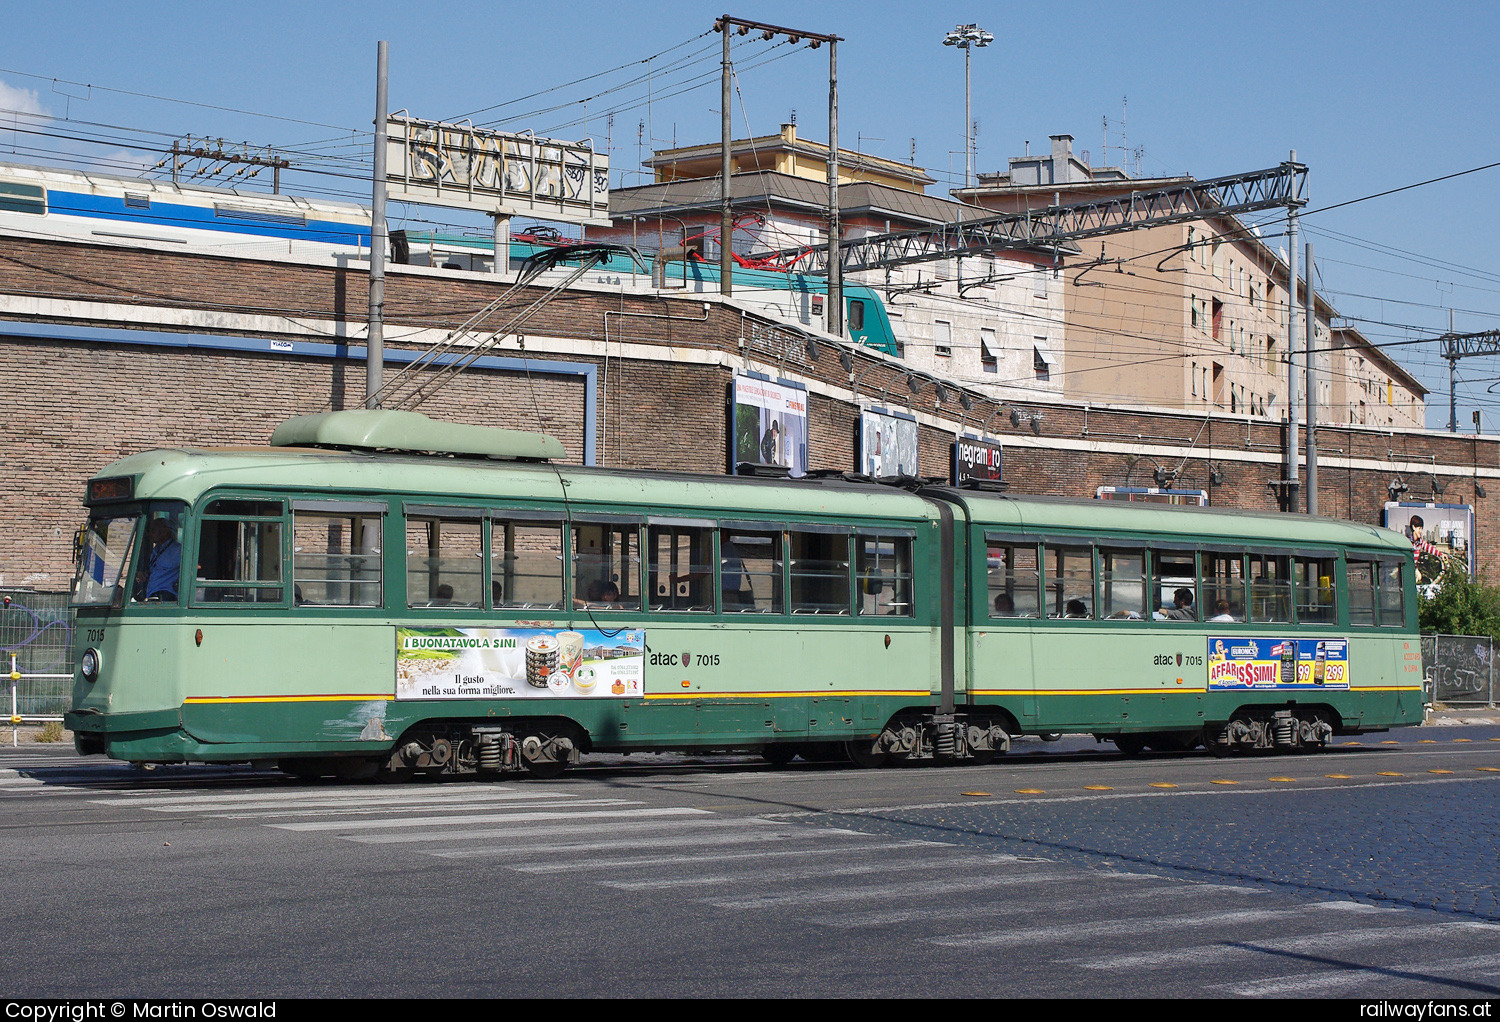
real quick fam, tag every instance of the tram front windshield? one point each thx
(106, 551)
(150, 538)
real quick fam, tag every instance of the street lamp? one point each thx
(964, 37)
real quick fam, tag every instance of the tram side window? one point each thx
(444, 562)
(819, 572)
(1313, 581)
(882, 575)
(1070, 581)
(1175, 594)
(1376, 593)
(1014, 579)
(750, 571)
(336, 559)
(1270, 588)
(606, 566)
(1390, 606)
(158, 567)
(239, 552)
(1223, 593)
(680, 568)
(1122, 584)
(526, 564)
(1360, 576)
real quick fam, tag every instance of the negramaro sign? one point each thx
(495, 172)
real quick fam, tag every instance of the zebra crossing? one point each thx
(1094, 923)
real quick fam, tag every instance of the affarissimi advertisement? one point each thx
(512, 663)
(1242, 662)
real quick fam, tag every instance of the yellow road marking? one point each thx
(1389, 773)
(1162, 784)
(1224, 782)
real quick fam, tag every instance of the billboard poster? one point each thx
(770, 423)
(519, 663)
(974, 458)
(1239, 663)
(887, 443)
(1442, 533)
(1153, 495)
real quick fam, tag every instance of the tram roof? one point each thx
(190, 472)
(1190, 524)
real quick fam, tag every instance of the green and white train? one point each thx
(380, 594)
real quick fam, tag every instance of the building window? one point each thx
(1041, 359)
(989, 353)
(942, 338)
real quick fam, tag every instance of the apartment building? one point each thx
(1191, 315)
(992, 322)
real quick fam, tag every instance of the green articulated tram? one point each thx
(379, 594)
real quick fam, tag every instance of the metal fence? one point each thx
(1459, 670)
(36, 633)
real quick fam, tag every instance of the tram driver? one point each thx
(161, 563)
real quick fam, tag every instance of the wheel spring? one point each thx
(1286, 730)
(491, 753)
(945, 742)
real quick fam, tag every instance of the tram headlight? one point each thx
(89, 665)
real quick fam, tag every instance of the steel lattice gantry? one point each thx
(1058, 225)
(1457, 346)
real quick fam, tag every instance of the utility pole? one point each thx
(1291, 359)
(375, 352)
(726, 221)
(1452, 384)
(1290, 483)
(1312, 388)
(834, 317)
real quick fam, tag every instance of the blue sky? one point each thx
(1373, 96)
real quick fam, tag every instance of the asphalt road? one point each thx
(1061, 870)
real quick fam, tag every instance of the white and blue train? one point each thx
(84, 206)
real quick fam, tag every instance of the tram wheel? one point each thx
(545, 769)
(1130, 745)
(863, 754)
